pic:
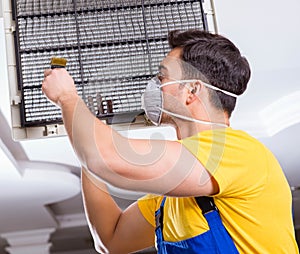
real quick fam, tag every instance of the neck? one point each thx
(185, 130)
(189, 126)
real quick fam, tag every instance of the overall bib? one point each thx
(215, 240)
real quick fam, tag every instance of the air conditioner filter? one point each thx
(112, 47)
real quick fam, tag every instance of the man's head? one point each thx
(215, 60)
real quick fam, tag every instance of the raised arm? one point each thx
(162, 167)
(113, 230)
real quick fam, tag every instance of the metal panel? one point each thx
(112, 48)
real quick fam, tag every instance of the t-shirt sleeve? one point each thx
(231, 158)
(209, 155)
(147, 206)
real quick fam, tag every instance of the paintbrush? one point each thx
(58, 62)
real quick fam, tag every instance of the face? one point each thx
(174, 96)
(170, 69)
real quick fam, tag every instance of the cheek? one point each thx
(172, 100)
(175, 104)
(178, 92)
(171, 89)
(169, 93)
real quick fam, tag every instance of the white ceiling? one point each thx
(39, 179)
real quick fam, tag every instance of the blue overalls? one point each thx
(215, 240)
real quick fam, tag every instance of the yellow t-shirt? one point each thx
(254, 197)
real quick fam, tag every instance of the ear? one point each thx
(193, 92)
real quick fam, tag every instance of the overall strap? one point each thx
(159, 215)
(223, 241)
(161, 248)
(206, 204)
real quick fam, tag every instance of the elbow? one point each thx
(97, 166)
(106, 169)
(93, 165)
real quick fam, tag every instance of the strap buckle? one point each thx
(206, 204)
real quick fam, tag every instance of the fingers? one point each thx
(47, 72)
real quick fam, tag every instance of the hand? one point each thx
(58, 86)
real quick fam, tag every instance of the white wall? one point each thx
(267, 34)
(266, 31)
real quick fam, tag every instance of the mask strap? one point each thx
(205, 84)
(192, 119)
(218, 89)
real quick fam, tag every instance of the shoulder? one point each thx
(233, 157)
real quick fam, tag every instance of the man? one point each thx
(195, 91)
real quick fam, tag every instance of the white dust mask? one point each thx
(152, 101)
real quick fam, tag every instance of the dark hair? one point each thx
(218, 60)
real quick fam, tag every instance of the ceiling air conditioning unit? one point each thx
(112, 48)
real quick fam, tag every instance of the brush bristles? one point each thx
(58, 62)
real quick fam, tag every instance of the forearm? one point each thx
(79, 123)
(113, 230)
(102, 212)
(68, 108)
